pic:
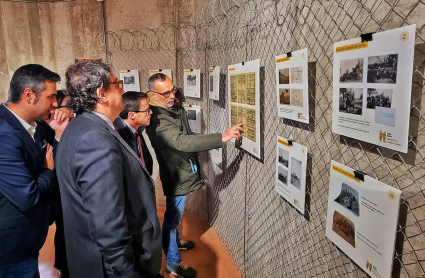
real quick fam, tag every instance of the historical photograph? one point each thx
(191, 80)
(379, 97)
(283, 157)
(191, 115)
(349, 199)
(284, 97)
(296, 171)
(128, 79)
(297, 97)
(284, 76)
(382, 69)
(211, 83)
(351, 100)
(344, 227)
(282, 175)
(351, 70)
(297, 75)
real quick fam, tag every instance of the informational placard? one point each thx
(130, 79)
(167, 72)
(214, 83)
(372, 83)
(291, 163)
(193, 113)
(244, 95)
(292, 86)
(192, 83)
(362, 219)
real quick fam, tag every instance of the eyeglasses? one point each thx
(120, 83)
(145, 111)
(167, 94)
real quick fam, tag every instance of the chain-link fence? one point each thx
(264, 234)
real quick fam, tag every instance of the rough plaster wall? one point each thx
(52, 35)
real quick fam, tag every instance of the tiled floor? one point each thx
(208, 257)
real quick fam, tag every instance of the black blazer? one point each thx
(108, 201)
(26, 189)
(128, 136)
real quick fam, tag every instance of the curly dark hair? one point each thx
(82, 81)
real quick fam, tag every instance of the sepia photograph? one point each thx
(284, 76)
(282, 175)
(191, 115)
(283, 157)
(297, 97)
(344, 227)
(128, 79)
(349, 199)
(191, 80)
(296, 171)
(351, 70)
(297, 75)
(284, 97)
(351, 100)
(379, 97)
(382, 69)
(211, 83)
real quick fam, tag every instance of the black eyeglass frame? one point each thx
(144, 111)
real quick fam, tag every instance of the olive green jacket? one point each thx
(174, 145)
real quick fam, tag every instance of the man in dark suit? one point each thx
(131, 123)
(26, 176)
(108, 199)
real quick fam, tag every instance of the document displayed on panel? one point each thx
(194, 117)
(292, 86)
(244, 105)
(167, 72)
(214, 83)
(130, 79)
(362, 219)
(192, 83)
(372, 84)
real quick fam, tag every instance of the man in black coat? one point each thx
(108, 199)
(131, 123)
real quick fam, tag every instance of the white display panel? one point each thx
(244, 101)
(372, 83)
(214, 83)
(291, 165)
(167, 72)
(362, 219)
(194, 117)
(192, 83)
(130, 79)
(292, 86)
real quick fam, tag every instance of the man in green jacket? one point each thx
(176, 150)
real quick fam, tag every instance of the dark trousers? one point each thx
(24, 269)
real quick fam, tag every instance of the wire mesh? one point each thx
(265, 235)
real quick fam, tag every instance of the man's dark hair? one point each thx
(131, 101)
(154, 78)
(82, 81)
(60, 96)
(31, 76)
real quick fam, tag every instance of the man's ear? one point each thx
(28, 95)
(153, 96)
(101, 95)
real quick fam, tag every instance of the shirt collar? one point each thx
(106, 119)
(30, 128)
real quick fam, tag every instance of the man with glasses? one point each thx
(177, 150)
(109, 208)
(131, 123)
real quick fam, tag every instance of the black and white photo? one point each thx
(351, 100)
(191, 80)
(282, 175)
(382, 69)
(191, 115)
(349, 199)
(211, 83)
(283, 157)
(296, 170)
(379, 97)
(284, 76)
(351, 71)
(284, 96)
(128, 80)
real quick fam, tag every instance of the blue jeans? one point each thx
(170, 228)
(24, 269)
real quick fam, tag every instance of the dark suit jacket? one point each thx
(26, 189)
(108, 201)
(128, 137)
